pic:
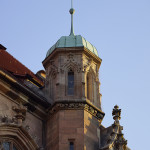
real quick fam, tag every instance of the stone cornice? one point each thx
(77, 105)
(72, 49)
(13, 90)
(20, 88)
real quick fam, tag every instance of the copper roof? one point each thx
(9, 63)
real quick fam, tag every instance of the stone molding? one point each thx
(88, 64)
(53, 69)
(71, 63)
(12, 131)
(81, 105)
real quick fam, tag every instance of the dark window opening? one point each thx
(70, 83)
(71, 146)
(88, 90)
(7, 146)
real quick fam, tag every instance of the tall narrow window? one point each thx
(88, 91)
(70, 82)
(71, 146)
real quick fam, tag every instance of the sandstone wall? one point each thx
(91, 132)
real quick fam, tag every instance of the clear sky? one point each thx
(119, 29)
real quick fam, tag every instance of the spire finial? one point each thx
(72, 12)
(71, 3)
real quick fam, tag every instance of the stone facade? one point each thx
(56, 109)
(17, 123)
(75, 116)
(84, 65)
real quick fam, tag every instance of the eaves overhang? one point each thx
(16, 84)
(72, 49)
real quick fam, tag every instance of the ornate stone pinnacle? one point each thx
(116, 113)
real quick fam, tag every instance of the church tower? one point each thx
(73, 88)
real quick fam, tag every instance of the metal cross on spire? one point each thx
(72, 12)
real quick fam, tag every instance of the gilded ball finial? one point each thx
(71, 11)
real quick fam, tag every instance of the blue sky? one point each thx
(119, 29)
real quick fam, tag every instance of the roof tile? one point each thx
(9, 63)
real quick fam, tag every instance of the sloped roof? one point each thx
(11, 64)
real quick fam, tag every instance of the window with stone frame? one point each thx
(9, 140)
(89, 86)
(8, 145)
(70, 82)
(71, 145)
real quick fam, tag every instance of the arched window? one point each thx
(7, 145)
(70, 82)
(89, 86)
(14, 137)
(51, 87)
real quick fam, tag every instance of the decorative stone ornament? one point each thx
(116, 140)
(88, 65)
(120, 142)
(116, 113)
(20, 113)
(4, 119)
(76, 106)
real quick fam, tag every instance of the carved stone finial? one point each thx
(116, 114)
(20, 113)
(116, 106)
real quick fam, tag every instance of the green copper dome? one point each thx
(72, 41)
